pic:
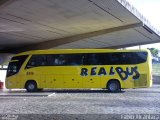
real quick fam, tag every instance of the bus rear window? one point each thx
(15, 65)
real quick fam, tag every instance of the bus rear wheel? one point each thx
(31, 86)
(113, 86)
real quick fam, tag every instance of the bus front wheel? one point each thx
(113, 86)
(31, 86)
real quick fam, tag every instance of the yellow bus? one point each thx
(80, 68)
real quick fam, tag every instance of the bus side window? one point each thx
(43, 60)
(59, 60)
(50, 60)
(114, 59)
(73, 59)
(130, 58)
(94, 59)
(32, 62)
(103, 59)
(40, 60)
(85, 59)
(91, 59)
(141, 57)
(68, 60)
(37, 60)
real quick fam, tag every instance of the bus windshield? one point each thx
(15, 65)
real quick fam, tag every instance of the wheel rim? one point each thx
(31, 86)
(113, 87)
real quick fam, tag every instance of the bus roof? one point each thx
(65, 51)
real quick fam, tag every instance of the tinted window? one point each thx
(73, 59)
(55, 60)
(15, 64)
(117, 58)
(92, 59)
(36, 60)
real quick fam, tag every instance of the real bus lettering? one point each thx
(123, 73)
(102, 71)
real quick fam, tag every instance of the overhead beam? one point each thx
(57, 42)
(131, 45)
(4, 3)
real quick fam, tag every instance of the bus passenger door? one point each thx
(72, 77)
(53, 76)
(54, 81)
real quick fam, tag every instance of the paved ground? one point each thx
(69, 103)
(156, 79)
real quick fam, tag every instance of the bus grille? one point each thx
(142, 81)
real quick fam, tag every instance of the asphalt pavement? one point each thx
(79, 104)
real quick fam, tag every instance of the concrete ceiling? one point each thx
(44, 24)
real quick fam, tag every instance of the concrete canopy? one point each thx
(44, 24)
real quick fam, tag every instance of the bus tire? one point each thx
(113, 86)
(31, 86)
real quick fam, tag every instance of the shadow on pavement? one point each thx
(80, 91)
(60, 91)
